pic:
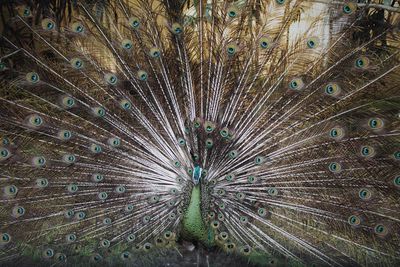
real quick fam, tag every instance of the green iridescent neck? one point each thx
(194, 227)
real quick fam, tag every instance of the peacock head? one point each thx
(196, 174)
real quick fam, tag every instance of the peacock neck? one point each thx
(193, 224)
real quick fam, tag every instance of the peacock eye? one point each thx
(154, 199)
(120, 189)
(80, 215)
(64, 135)
(77, 27)
(97, 257)
(354, 220)
(146, 219)
(147, 246)
(246, 250)
(312, 43)
(221, 216)
(2, 66)
(69, 213)
(26, 12)
(243, 219)
(70, 238)
(142, 75)
(32, 77)
(129, 208)
(72, 188)
(229, 246)
(172, 216)
(233, 154)
(179, 179)
(35, 120)
(97, 177)
(18, 211)
(102, 195)
(332, 89)
(336, 133)
(211, 214)
(197, 123)
(220, 192)
(380, 229)
(42, 182)
(209, 127)
(134, 22)
(155, 52)
(272, 191)
(259, 160)
(231, 49)
(99, 111)
(95, 148)
(177, 28)
(280, 2)
(367, 151)
(262, 212)
(114, 142)
(396, 181)
(67, 102)
(209, 143)
(5, 238)
(125, 104)
(110, 78)
(4, 153)
(48, 24)
(364, 194)
(215, 224)
(173, 191)
(125, 255)
(106, 221)
(224, 132)
(230, 177)
(168, 235)
(375, 123)
(296, 84)
(223, 235)
(177, 164)
(361, 62)
(126, 44)
(61, 257)
(39, 161)
(221, 206)
(48, 253)
(240, 196)
(131, 237)
(251, 179)
(10, 190)
(232, 12)
(105, 243)
(181, 141)
(171, 203)
(335, 167)
(349, 8)
(5, 141)
(69, 158)
(76, 63)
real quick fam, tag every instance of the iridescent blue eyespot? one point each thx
(134, 22)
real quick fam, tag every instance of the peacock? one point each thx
(200, 133)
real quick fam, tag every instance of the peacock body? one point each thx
(260, 133)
